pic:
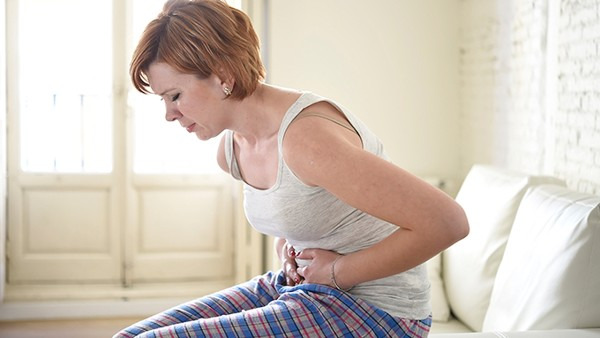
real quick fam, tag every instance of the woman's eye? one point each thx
(175, 97)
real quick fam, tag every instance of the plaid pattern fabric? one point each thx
(264, 307)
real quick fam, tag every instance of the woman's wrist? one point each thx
(335, 280)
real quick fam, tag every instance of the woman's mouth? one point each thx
(190, 128)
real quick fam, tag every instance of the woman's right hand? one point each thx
(287, 255)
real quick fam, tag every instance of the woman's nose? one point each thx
(172, 114)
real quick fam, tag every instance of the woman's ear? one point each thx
(227, 81)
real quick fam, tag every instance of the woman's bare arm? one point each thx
(428, 220)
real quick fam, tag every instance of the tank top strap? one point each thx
(232, 164)
(305, 100)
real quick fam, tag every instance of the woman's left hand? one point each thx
(318, 271)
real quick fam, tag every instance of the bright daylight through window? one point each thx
(66, 95)
(65, 86)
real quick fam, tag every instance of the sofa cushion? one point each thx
(549, 277)
(439, 305)
(566, 333)
(490, 197)
(451, 326)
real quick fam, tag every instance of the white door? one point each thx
(101, 190)
(63, 196)
(182, 221)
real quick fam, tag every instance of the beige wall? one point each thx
(2, 143)
(447, 84)
(394, 63)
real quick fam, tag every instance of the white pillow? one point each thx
(439, 304)
(549, 277)
(490, 197)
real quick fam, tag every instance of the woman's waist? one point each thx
(342, 244)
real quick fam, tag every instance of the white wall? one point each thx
(530, 87)
(503, 85)
(394, 63)
(576, 154)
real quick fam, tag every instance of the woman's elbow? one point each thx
(458, 227)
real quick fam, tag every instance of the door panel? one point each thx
(62, 233)
(66, 221)
(183, 228)
(178, 220)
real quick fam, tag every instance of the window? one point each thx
(65, 95)
(65, 86)
(101, 186)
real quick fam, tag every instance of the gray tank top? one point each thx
(311, 217)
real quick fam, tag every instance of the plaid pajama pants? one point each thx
(265, 307)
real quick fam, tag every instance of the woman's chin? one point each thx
(203, 136)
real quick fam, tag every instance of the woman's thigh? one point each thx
(253, 294)
(301, 311)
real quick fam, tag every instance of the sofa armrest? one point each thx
(570, 333)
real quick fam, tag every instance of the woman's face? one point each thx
(197, 104)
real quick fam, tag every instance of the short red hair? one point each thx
(201, 37)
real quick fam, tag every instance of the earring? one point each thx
(227, 91)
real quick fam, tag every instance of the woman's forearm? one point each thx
(399, 252)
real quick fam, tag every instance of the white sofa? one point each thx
(530, 266)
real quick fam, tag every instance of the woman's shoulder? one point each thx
(318, 135)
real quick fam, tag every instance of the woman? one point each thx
(353, 229)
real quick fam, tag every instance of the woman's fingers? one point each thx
(288, 253)
(288, 250)
(289, 270)
(318, 270)
(308, 253)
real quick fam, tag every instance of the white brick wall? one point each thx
(577, 145)
(512, 52)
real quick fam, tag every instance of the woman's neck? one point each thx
(257, 118)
